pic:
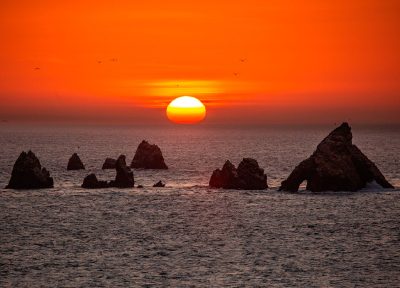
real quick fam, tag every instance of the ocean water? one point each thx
(187, 234)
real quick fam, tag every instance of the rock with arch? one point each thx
(336, 165)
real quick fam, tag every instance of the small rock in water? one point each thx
(248, 176)
(91, 182)
(109, 163)
(140, 186)
(148, 156)
(75, 163)
(336, 165)
(159, 184)
(27, 173)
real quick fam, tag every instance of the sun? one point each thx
(186, 110)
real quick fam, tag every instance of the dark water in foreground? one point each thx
(187, 234)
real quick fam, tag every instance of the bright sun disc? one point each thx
(186, 110)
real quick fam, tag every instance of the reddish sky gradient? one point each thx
(254, 62)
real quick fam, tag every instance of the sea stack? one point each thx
(109, 163)
(124, 177)
(75, 163)
(27, 173)
(148, 156)
(248, 176)
(336, 165)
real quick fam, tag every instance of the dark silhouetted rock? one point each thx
(124, 177)
(75, 163)
(140, 186)
(91, 182)
(248, 176)
(159, 184)
(27, 173)
(109, 163)
(148, 156)
(336, 165)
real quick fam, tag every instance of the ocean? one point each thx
(186, 234)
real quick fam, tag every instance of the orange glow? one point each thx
(257, 61)
(186, 110)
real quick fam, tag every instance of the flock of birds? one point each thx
(236, 74)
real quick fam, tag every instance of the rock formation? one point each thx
(27, 173)
(109, 163)
(124, 177)
(91, 182)
(159, 184)
(75, 163)
(148, 156)
(248, 176)
(336, 165)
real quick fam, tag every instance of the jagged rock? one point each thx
(91, 182)
(75, 163)
(248, 176)
(336, 165)
(159, 184)
(27, 173)
(109, 163)
(124, 177)
(148, 156)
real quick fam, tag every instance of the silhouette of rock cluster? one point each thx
(148, 156)
(248, 176)
(123, 179)
(109, 163)
(336, 165)
(75, 163)
(27, 173)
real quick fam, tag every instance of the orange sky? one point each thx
(255, 62)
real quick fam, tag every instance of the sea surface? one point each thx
(186, 234)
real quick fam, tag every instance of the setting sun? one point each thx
(186, 110)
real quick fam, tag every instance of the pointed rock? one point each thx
(75, 163)
(248, 176)
(124, 177)
(148, 156)
(109, 163)
(336, 165)
(27, 173)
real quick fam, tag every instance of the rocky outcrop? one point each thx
(27, 173)
(124, 177)
(75, 163)
(248, 176)
(91, 182)
(159, 184)
(148, 156)
(109, 163)
(336, 165)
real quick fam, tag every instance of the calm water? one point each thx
(187, 234)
